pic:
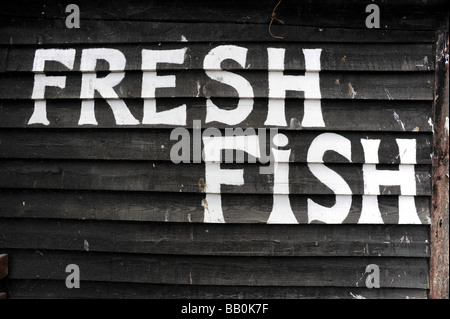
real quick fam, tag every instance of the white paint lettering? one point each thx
(104, 86)
(308, 83)
(41, 81)
(319, 146)
(215, 176)
(281, 211)
(403, 177)
(212, 63)
(151, 81)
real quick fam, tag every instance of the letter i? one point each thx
(281, 211)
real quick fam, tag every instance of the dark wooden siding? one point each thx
(108, 198)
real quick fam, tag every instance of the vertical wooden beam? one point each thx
(439, 264)
(3, 271)
(3, 265)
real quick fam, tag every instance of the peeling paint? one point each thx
(430, 122)
(198, 89)
(205, 204)
(351, 91)
(357, 296)
(202, 185)
(166, 216)
(446, 126)
(388, 94)
(399, 121)
(86, 245)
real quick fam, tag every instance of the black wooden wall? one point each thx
(108, 198)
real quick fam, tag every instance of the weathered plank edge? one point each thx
(29, 288)
(439, 261)
(216, 239)
(398, 272)
(170, 207)
(55, 31)
(147, 176)
(329, 13)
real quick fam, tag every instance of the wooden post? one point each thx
(439, 224)
(3, 271)
(3, 265)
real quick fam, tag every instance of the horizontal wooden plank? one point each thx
(195, 83)
(31, 31)
(176, 207)
(168, 177)
(334, 57)
(396, 15)
(216, 239)
(398, 272)
(42, 289)
(338, 115)
(157, 145)
(3, 265)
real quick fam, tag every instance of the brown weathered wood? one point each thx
(52, 289)
(439, 265)
(195, 83)
(2, 295)
(174, 207)
(170, 177)
(156, 145)
(339, 115)
(216, 239)
(27, 31)
(334, 57)
(396, 272)
(3, 265)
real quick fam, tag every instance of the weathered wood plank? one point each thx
(169, 177)
(405, 15)
(27, 31)
(3, 265)
(339, 115)
(439, 261)
(397, 272)
(216, 239)
(334, 57)
(53, 289)
(176, 207)
(195, 83)
(156, 145)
